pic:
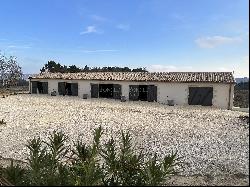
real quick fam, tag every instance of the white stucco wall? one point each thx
(231, 97)
(179, 93)
(176, 91)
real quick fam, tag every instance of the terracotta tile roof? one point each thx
(218, 77)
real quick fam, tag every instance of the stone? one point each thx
(208, 140)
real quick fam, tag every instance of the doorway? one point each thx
(200, 96)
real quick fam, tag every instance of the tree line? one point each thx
(242, 86)
(53, 67)
(11, 73)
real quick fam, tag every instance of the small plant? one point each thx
(13, 173)
(53, 163)
(244, 118)
(2, 122)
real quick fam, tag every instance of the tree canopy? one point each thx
(10, 71)
(242, 86)
(53, 67)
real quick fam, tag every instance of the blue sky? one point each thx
(161, 35)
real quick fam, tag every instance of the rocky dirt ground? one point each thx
(213, 143)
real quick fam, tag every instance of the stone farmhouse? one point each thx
(181, 88)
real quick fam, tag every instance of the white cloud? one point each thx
(98, 18)
(89, 29)
(223, 69)
(240, 66)
(246, 59)
(241, 69)
(178, 17)
(19, 46)
(170, 68)
(124, 27)
(214, 41)
(99, 50)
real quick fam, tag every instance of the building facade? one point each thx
(184, 88)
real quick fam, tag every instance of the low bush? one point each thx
(241, 98)
(53, 163)
(2, 122)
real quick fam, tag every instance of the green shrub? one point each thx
(2, 122)
(53, 163)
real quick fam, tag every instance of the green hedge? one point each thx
(53, 163)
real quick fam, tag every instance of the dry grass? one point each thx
(5, 92)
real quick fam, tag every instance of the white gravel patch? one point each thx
(211, 141)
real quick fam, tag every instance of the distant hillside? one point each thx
(244, 79)
(26, 76)
(242, 86)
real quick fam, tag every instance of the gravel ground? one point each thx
(211, 141)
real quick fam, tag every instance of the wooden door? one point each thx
(34, 86)
(61, 88)
(74, 89)
(133, 92)
(117, 91)
(200, 96)
(45, 87)
(94, 90)
(152, 93)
